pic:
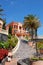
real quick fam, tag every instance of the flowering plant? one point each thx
(3, 53)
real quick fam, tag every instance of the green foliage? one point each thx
(4, 23)
(9, 36)
(13, 41)
(1, 45)
(10, 43)
(36, 58)
(26, 37)
(33, 23)
(40, 58)
(10, 30)
(1, 14)
(4, 45)
(40, 45)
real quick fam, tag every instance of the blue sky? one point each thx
(15, 10)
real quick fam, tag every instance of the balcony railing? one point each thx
(4, 31)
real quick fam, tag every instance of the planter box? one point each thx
(37, 62)
(41, 51)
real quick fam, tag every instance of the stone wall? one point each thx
(3, 37)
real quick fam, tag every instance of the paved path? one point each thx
(13, 62)
(24, 51)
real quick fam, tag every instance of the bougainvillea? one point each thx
(3, 53)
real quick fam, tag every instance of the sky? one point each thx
(16, 10)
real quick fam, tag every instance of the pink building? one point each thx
(17, 29)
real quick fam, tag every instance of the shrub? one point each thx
(13, 45)
(40, 45)
(10, 43)
(9, 36)
(35, 58)
(13, 41)
(41, 58)
(6, 45)
(1, 44)
(10, 30)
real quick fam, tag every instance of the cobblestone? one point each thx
(24, 51)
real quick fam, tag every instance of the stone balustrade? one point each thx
(4, 31)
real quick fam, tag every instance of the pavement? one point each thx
(24, 51)
(13, 62)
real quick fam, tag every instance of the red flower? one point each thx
(3, 53)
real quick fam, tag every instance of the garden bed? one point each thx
(40, 47)
(10, 43)
(6, 46)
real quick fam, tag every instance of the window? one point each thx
(15, 26)
(19, 27)
(15, 31)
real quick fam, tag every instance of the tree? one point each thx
(4, 23)
(10, 30)
(1, 14)
(31, 22)
(37, 25)
(1, 11)
(28, 23)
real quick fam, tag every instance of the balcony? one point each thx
(4, 31)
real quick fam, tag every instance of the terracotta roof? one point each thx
(13, 22)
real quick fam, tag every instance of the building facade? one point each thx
(17, 29)
(2, 31)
